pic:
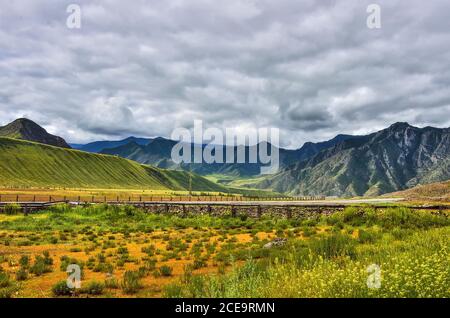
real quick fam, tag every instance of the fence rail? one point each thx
(11, 198)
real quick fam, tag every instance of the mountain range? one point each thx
(396, 158)
(392, 159)
(157, 152)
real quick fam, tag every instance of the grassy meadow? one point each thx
(124, 252)
(25, 164)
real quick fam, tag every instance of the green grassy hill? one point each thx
(29, 164)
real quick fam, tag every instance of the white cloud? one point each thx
(312, 69)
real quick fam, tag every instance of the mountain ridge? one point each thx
(389, 160)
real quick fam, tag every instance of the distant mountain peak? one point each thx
(26, 129)
(400, 125)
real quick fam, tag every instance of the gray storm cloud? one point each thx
(312, 69)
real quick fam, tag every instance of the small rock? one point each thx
(276, 243)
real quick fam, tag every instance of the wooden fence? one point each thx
(135, 198)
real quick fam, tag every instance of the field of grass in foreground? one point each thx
(124, 252)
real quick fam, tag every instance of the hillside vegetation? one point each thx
(29, 164)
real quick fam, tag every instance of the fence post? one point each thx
(50, 198)
(259, 212)
(233, 211)
(167, 208)
(17, 198)
(289, 212)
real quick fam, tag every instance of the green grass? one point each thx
(239, 185)
(410, 248)
(29, 164)
(325, 256)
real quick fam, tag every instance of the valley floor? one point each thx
(124, 252)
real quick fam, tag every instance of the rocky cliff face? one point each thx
(392, 159)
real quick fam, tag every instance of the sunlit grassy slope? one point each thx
(439, 191)
(28, 164)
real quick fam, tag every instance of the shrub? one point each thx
(4, 280)
(21, 274)
(149, 250)
(24, 261)
(94, 288)
(12, 209)
(47, 259)
(61, 289)
(308, 231)
(66, 261)
(60, 208)
(150, 264)
(198, 263)
(9, 291)
(122, 250)
(131, 282)
(165, 270)
(334, 245)
(111, 283)
(41, 266)
(368, 236)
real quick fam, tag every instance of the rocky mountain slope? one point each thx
(392, 159)
(26, 129)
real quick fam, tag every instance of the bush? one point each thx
(333, 246)
(94, 288)
(41, 266)
(405, 218)
(61, 289)
(165, 270)
(4, 280)
(60, 208)
(111, 283)
(368, 236)
(9, 291)
(12, 209)
(24, 261)
(149, 250)
(21, 274)
(131, 282)
(199, 263)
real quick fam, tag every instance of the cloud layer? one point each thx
(311, 68)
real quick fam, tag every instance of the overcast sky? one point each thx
(311, 68)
